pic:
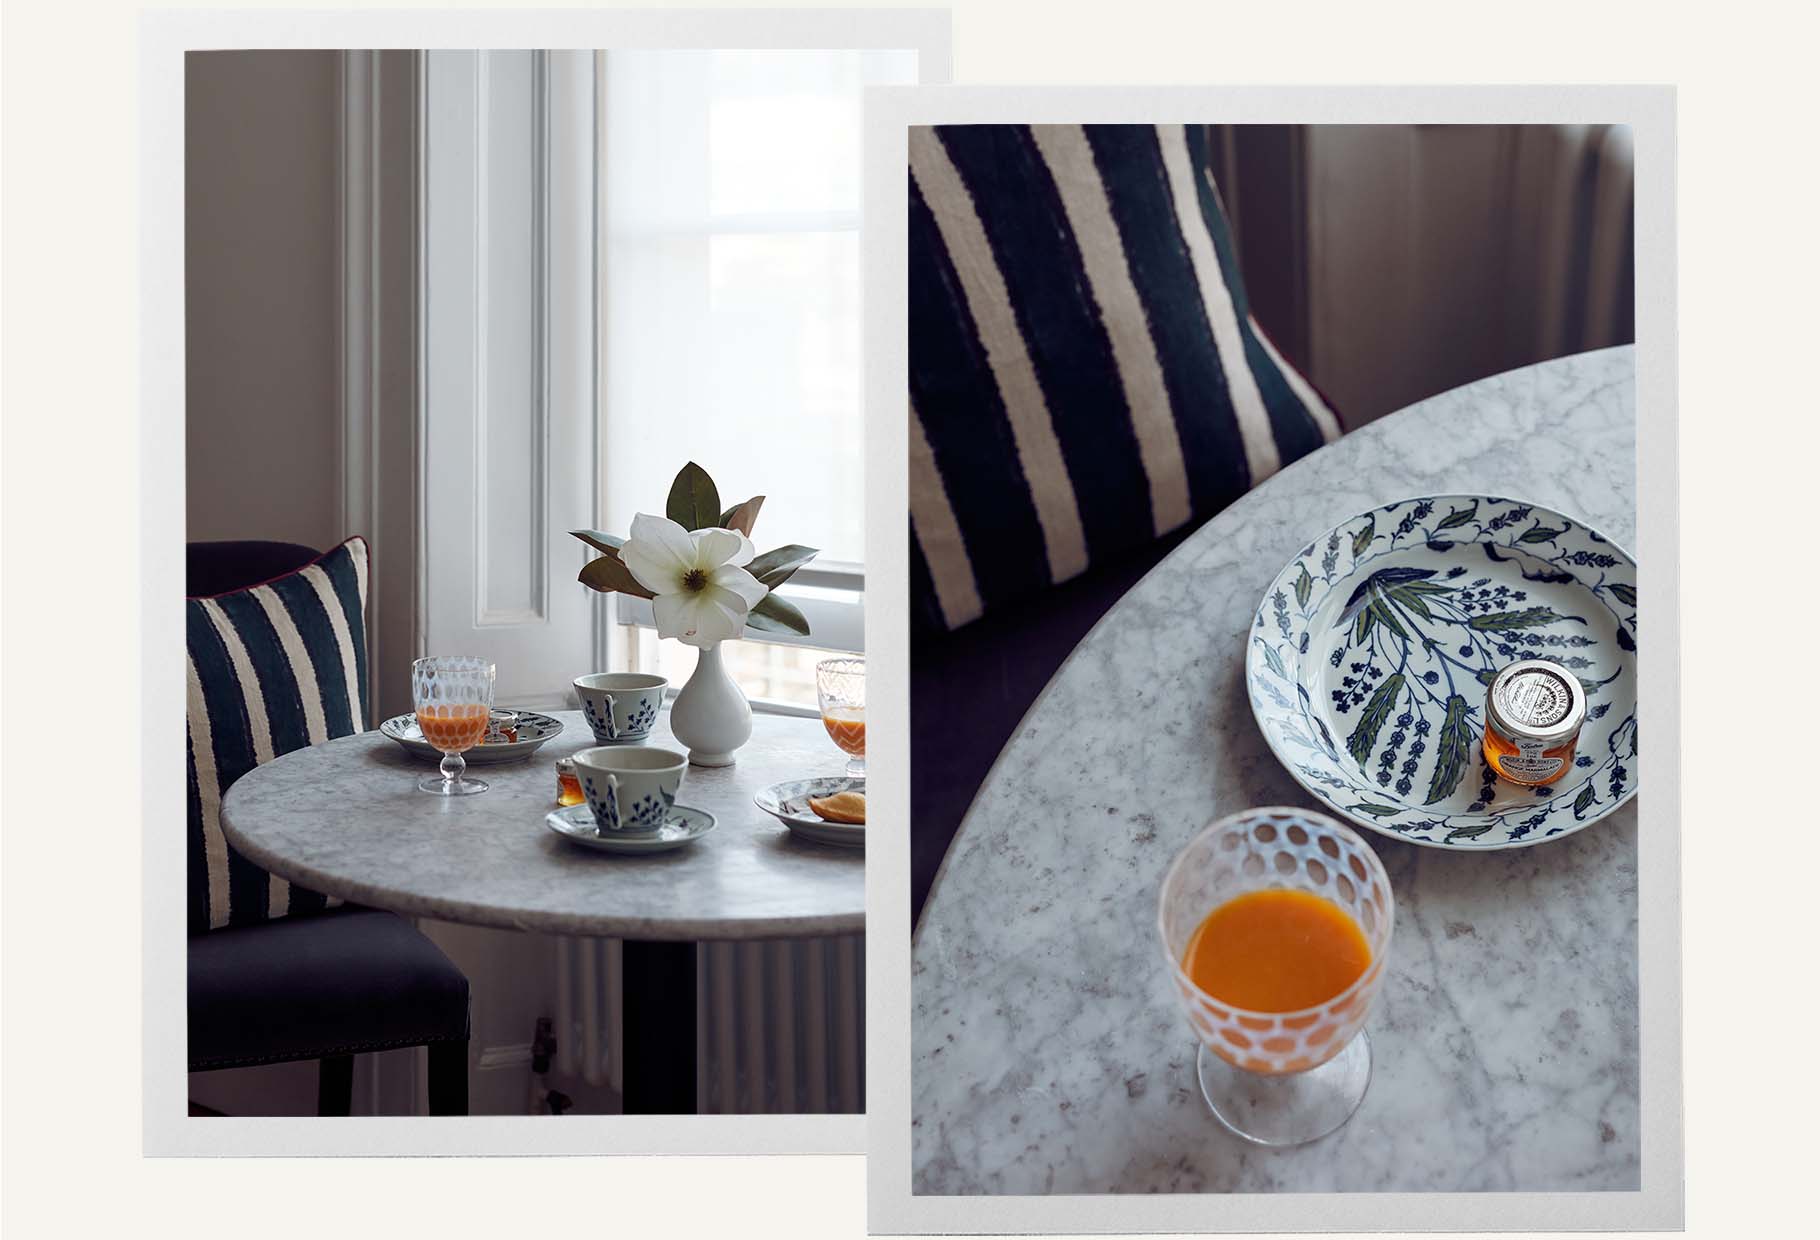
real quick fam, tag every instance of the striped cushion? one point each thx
(272, 668)
(1085, 373)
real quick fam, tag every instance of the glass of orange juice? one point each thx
(840, 687)
(1276, 923)
(453, 697)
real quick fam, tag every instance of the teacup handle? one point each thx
(612, 791)
(612, 728)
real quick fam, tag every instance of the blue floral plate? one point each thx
(532, 731)
(1371, 653)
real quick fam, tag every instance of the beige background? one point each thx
(71, 1121)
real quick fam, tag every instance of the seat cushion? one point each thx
(1085, 372)
(271, 668)
(352, 979)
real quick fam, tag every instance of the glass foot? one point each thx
(856, 768)
(441, 787)
(1287, 1110)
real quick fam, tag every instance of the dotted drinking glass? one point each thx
(840, 687)
(1278, 1077)
(453, 697)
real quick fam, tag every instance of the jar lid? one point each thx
(565, 766)
(1536, 700)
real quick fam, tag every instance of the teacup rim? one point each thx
(626, 680)
(581, 757)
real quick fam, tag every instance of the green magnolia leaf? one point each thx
(1588, 797)
(609, 543)
(608, 573)
(742, 517)
(1623, 593)
(1361, 628)
(1540, 535)
(774, 615)
(694, 504)
(1528, 618)
(1377, 811)
(1271, 657)
(1459, 516)
(1362, 539)
(775, 567)
(1452, 748)
(1303, 585)
(1467, 833)
(1487, 675)
(1364, 736)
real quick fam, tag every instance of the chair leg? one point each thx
(335, 1085)
(448, 1078)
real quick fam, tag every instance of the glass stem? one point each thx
(453, 764)
(856, 767)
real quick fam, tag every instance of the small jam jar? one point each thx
(1533, 713)
(568, 784)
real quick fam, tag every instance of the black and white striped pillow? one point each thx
(272, 668)
(1085, 372)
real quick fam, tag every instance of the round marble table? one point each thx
(1048, 1052)
(345, 818)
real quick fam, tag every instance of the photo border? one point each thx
(165, 37)
(891, 1206)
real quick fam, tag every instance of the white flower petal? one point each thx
(715, 546)
(698, 619)
(738, 582)
(659, 553)
(722, 616)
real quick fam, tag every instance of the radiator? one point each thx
(779, 1028)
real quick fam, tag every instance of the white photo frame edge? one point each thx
(165, 37)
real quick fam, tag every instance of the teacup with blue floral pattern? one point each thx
(630, 789)
(620, 706)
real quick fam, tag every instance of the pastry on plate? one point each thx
(849, 807)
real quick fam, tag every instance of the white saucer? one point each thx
(684, 826)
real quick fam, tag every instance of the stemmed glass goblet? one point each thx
(1279, 1077)
(453, 698)
(840, 688)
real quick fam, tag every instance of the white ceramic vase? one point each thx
(711, 716)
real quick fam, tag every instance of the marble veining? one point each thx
(1048, 1052)
(346, 818)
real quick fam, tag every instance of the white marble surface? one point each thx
(1049, 1054)
(346, 818)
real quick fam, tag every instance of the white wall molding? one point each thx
(509, 362)
(378, 424)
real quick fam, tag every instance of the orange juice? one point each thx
(1276, 950)
(453, 728)
(847, 726)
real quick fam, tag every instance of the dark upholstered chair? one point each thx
(328, 985)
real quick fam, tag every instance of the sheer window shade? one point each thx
(730, 283)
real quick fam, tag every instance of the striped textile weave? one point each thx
(272, 668)
(1085, 372)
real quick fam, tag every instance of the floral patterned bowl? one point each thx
(1372, 650)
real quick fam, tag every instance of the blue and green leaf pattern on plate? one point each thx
(1371, 652)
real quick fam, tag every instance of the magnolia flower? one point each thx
(701, 593)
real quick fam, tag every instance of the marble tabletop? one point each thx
(1048, 1052)
(346, 818)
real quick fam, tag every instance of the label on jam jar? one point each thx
(1528, 762)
